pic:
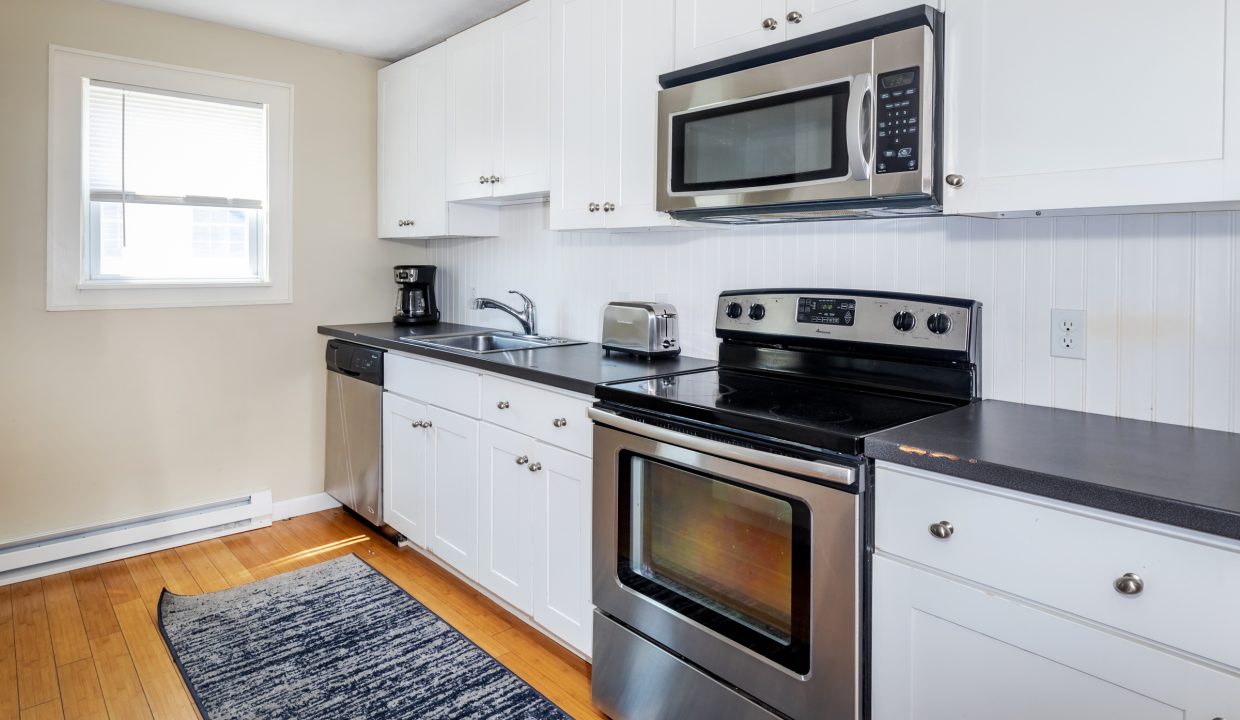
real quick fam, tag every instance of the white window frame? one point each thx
(68, 210)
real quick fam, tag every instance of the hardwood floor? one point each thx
(84, 644)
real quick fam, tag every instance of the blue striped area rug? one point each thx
(336, 640)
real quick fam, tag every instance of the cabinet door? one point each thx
(946, 650)
(506, 491)
(522, 78)
(471, 83)
(640, 42)
(396, 148)
(711, 29)
(454, 489)
(405, 466)
(805, 17)
(561, 521)
(579, 47)
(1131, 108)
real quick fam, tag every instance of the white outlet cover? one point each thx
(1068, 333)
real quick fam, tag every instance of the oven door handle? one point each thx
(837, 474)
(858, 129)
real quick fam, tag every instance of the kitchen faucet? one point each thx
(527, 316)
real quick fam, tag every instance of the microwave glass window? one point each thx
(733, 558)
(787, 138)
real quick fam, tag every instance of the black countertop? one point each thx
(577, 368)
(1166, 473)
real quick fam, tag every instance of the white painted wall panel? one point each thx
(1163, 314)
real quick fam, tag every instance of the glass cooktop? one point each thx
(802, 410)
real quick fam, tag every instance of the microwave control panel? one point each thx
(899, 108)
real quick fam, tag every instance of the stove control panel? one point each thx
(917, 321)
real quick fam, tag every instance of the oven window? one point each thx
(728, 556)
(786, 138)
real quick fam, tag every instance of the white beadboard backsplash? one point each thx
(1163, 311)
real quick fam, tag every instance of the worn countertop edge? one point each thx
(1128, 503)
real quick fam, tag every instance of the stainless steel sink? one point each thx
(490, 342)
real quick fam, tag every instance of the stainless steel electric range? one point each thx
(731, 509)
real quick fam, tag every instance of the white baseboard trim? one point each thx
(34, 557)
(303, 505)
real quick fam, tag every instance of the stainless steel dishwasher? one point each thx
(353, 472)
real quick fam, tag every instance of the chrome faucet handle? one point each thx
(526, 298)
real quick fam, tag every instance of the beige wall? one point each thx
(111, 414)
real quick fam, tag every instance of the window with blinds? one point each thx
(177, 186)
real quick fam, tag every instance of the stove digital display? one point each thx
(826, 311)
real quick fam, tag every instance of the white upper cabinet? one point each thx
(711, 29)
(607, 56)
(497, 75)
(1057, 105)
(412, 201)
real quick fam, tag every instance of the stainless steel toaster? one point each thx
(641, 328)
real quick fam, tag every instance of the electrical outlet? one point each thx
(1068, 334)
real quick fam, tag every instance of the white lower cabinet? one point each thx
(454, 489)
(990, 603)
(508, 511)
(944, 649)
(406, 454)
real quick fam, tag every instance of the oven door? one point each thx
(752, 574)
(792, 131)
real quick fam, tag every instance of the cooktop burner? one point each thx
(809, 411)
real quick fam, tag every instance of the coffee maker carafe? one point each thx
(415, 298)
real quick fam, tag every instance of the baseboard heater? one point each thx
(32, 557)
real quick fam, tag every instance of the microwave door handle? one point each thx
(857, 132)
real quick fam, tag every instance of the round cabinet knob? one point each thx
(535, 467)
(593, 207)
(794, 17)
(734, 310)
(494, 178)
(904, 321)
(1129, 584)
(559, 422)
(770, 24)
(428, 424)
(939, 323)
(954, 180)
(483, 180)
(942, 529)
(609, 207)
(417, 423)
(523, 460)
(757, 311)
(502, 405)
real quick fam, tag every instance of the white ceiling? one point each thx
(387, 29)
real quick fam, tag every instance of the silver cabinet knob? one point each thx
(494, 179)
(942, 529)
(418, 423)
(483, 180)
(502, 405)
(535, 467)
(954, 180)
(523, 460)
(559, 422)
(609, 207)
(593, 207)
(794, 17)
(770, 24)
(1129, 584)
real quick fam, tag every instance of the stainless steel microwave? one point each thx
(842, 124)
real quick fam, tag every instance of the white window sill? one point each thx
(169, 284)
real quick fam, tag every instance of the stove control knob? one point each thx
(904, 321)
(939, 323)
(734, 310)
(757, 311)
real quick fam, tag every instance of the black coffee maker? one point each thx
(415, 298)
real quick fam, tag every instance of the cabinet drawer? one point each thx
(548, 416)
(447, 387)
(1053, 554)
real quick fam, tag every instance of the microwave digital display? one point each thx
(826, 311)
(892, 81)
